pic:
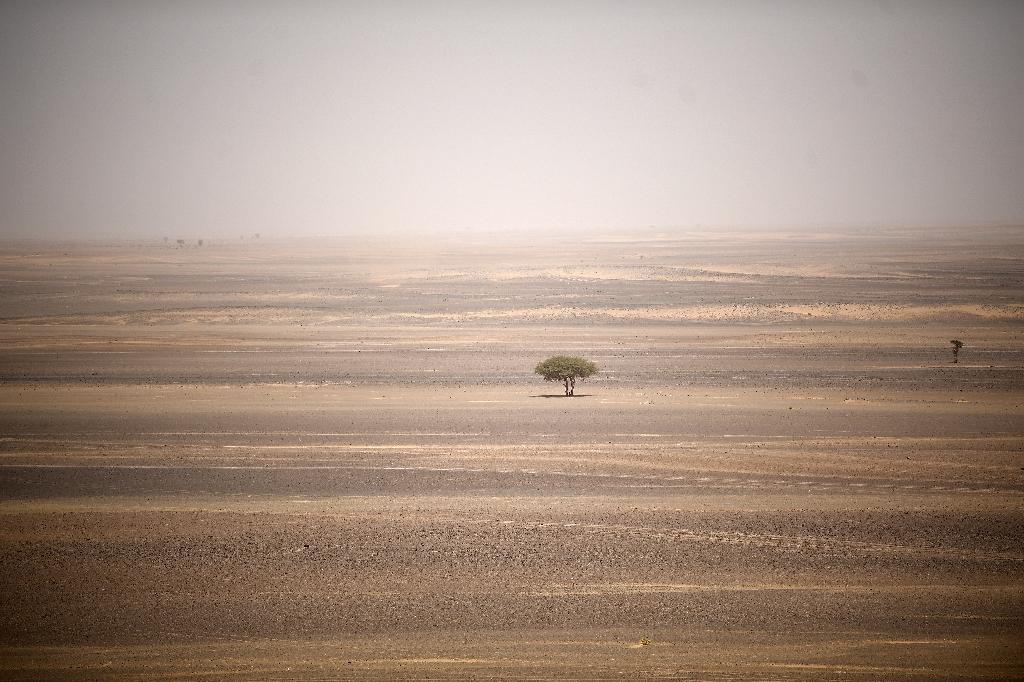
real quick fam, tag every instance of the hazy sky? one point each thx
(217, 118)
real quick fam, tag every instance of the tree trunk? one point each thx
(567, 387)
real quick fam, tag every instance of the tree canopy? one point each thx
(567, 369)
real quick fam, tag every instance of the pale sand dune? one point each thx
(763, 313)
(742, 313)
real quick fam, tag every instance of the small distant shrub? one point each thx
(957, 345)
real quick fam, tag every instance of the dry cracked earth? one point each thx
(331, 460)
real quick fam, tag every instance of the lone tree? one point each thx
(957, 345)
(567, 369)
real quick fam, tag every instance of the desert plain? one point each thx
(286, 459)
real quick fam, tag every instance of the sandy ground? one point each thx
(330, 460)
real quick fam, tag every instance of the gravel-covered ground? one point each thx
(332, 460)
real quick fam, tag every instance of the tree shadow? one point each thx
(560, 395)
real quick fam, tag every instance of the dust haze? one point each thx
(217, 119)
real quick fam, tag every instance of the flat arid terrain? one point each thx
(331, 459)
